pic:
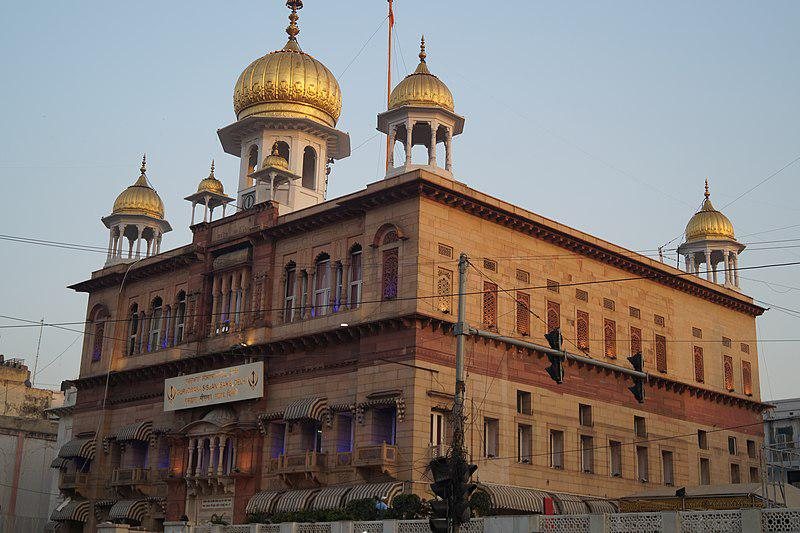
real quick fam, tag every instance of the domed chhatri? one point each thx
(288, 83)
(211, 183)
(710, 241)
(421, 88)
(140, 198)
(708, 223)
(274, 159)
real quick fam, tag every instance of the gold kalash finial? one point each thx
(708, 194)
(292, 28)
(143, 168)
(422, 54)
(212, 170)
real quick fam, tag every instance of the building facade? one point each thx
(299, 352)
(782, 440)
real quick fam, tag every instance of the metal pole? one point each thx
(36, 359)
(461, 331)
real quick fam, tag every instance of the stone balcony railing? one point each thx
(301, 463)
(130, 476)
(383, 456)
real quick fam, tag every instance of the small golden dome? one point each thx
(211, 184)
(421, 88)
(288, 83)
(275, 159)
(139, 199)
(709, 224)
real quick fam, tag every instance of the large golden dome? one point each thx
(421, 88)
(288, 83)
(139, 199)
(709, 224)
(211, 183)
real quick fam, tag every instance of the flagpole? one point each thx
(389, 79)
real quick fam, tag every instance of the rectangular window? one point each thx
(278, 440)
(667, 468)
(582, 330)
(639, 426)
(697, 333)
(437, 432)
(702, 439)
(726, 342)
(736, 476)
(99, 336)
(642, 464)
(489, 264)
(523, 276)
(658, 320)
(587, 454)
(491, 437)
(553, 316)
(747, 378)
(705, 471)
(524, 402)
(635, 312)
(489, 305)
(322, 288)
(581, 295)
(180, 318)
(391, 270)
(754, 477)
(524, 443)
(661, 353)
(339, 287)
(523, 313)
(444, 290)
(727, 368)
(610, 338)
(384, 421)
(446, 251)
(745, 348)
(303, 293)
(344, 432)
(552, 285)
(751, 449)
(699, 372)
(585, 415)
(732, 445)
(609, 304)
(556, 449)
(615, 452)
(354, 291)
(636, 340)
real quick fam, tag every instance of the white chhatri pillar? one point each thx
(709, 273)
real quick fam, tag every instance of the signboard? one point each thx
(214, 504)
(232, 384)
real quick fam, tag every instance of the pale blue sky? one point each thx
(605, 116)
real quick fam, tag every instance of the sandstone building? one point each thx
(298, 353)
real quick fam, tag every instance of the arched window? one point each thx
(252, 161)
(322, 285)
(283, 150)
(310, 168)
(180, 317)
(289, 297)
(99, 317)
(156, 322)
(355, 277)
(133, 330)
(390, 274)
(167, 325)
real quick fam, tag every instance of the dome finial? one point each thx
(292, 29)
(708, 194)
(212, 169)
(422, 54)
(143, 168)
(275, 148)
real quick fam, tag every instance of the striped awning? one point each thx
(58, 462)
(306, 409)
(74, 510)
(375, 490)
(78, 448)
(101, 507)
(601, 506)
(329, 498)
(508, 498)
(129, 510)
(294, 500)
(139, 431)
(569, 503)
(262, 502)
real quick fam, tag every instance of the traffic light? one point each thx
(556, 368)
(462, 491)
(638, 383)
(442, 487)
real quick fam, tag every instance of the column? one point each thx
(408, 142)
(221, 461)
(715, 267)
(205, 211)
(234, 300)
(688, 259)
(736, 269)
(245, 285)
(223, 209)
(158, 243)
(726, 260)
(709, 273)
(392, 140)
(194, 205)
(139, 231)
(189, 467)
(432, 148)
(212, 448)
(110, 243)
(448, 149)
(215, 305)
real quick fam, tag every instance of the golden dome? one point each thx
(288, 83)
(139, 199)
(709, 224)
(211, 184)
(275, 159)
(421, 88)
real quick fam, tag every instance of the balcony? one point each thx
(341, 460)
(122, 477)
(308, 464)
(74, 480)
(383, 456)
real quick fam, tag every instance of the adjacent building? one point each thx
(299, 352)
(782, 441)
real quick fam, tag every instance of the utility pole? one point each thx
(36, 359)
(461, 331)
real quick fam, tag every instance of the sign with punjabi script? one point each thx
(232, 384)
